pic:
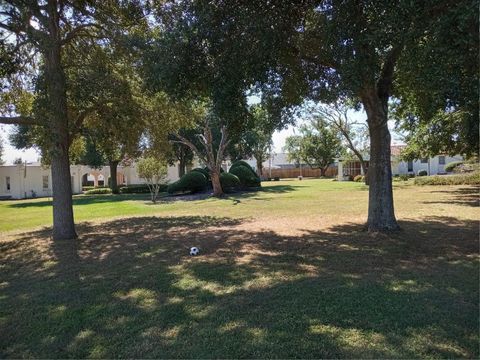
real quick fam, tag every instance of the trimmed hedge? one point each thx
(229, 181)
(247, 177)
(139, 189)
(452, 165)
(463, 179)
(203, 171)
(98, 191)
(192, 182)
(405, 177)
(86, 188)
(422, 173)
(242, 163)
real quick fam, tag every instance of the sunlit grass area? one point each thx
(315, 202)
(284, 272)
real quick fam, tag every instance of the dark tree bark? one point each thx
(182, 166)
(217, 186)
(259, 160)
(323, 169)
(63, 223)
(113, 175)
(381, 215)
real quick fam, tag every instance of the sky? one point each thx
(31, 155)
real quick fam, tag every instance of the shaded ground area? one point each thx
(127, 288)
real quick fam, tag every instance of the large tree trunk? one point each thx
(63, 223)
(113, 176)
(182, 166)
(217, 186)
(259, 160)
(323, 169)
(381, 215)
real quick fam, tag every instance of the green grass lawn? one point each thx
(26, 214)
(284, 272)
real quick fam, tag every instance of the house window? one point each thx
(441, 160)
(45, 182)
(7, 183)
(424, 160)
(410, 165)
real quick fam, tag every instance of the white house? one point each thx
(34, 180)
(433, 166)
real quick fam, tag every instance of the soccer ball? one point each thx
(194, 251)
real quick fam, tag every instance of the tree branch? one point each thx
(75, 32)
(384, 84)
(186, 142)
(223, 145)
(18, 120)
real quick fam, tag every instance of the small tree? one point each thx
(256, 140)
(317, 145)
(293, 149)
(355, 134)
(209, 152)
(154, 172)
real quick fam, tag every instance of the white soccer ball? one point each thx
(194, 251)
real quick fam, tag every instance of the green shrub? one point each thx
(452, 165)
(192, 182)
(404, 177)
(243, 163)
(229, 181)
(247, 177)
(139, 189)
(359, 178)
(102, 190)
(89, 187)
(240, 163)
(422, 173)
(460, 179)
(204, 171)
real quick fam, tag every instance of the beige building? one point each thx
(34, 180)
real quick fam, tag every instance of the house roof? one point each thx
(395, 150)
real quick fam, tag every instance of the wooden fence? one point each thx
(295, 172)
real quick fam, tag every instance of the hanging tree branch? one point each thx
(18, 120)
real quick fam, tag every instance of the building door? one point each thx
(410, 166)
(441, 164)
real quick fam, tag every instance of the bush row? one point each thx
(241, 175)
(139, 189)
(452, 165)
(461, 179)
(86, 188)
(193, 181)
(96, 191)
(246, 175)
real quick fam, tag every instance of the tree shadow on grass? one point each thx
(235, 196)
(468, 196)
(128, 288)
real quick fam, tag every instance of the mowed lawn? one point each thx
(284, 272)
